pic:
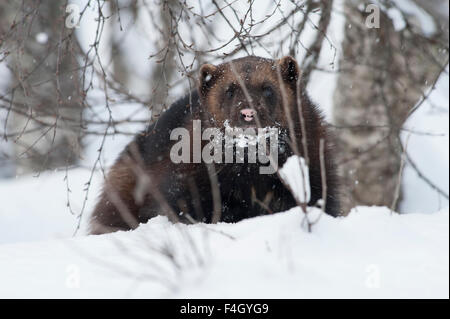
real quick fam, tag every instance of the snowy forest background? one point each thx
(79, 78)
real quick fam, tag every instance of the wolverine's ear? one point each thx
(207, 77)
(290, 71)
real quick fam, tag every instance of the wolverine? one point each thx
(249, 92)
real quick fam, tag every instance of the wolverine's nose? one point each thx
(248, 114)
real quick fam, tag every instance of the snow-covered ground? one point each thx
(428, 147)
(35, 207)
(372, 253)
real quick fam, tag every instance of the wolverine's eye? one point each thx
(267, 92)
(230, 92)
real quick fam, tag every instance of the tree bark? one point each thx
(383, 74)
(165, 67)
(45, 92)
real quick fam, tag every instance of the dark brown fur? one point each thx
(144, 182)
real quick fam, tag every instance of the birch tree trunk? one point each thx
(166, 67)
(45, 90)
(384, 72)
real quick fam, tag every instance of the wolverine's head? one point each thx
(249, 92)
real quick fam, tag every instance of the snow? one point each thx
(410, 8)
(42, 38)
(295, 173)
(397, 18)
(35, 207)
(370, 254)
(429, 152)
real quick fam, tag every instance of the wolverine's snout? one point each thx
(248, 114)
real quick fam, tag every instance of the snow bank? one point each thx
(295, 173)
(371, 253)
(428, 146)
(35, 207)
